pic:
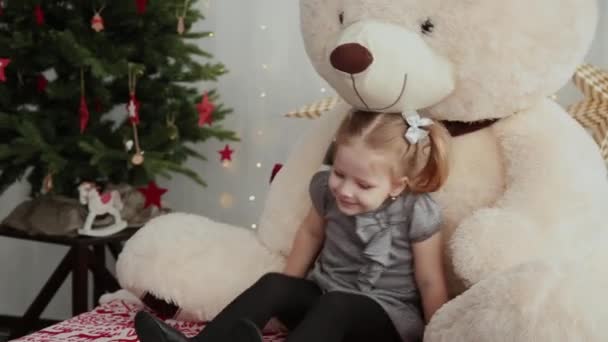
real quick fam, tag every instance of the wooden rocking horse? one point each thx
(100, 204)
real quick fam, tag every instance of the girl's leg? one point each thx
(274, 294)
(342, 316)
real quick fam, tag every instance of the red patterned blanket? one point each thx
(110, 322)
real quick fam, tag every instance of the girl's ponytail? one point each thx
(434, 174)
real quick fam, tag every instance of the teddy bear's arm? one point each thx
(540, 301)
(555, 185)
(288, 200)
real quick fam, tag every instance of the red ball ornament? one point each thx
(41, 83)
(39, 15)
(141, 6)
(4, 62)
(84, 114)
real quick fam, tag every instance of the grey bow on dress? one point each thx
(374, 230)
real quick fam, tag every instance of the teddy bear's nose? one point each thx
(351, 58)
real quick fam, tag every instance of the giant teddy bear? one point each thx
(525, 225)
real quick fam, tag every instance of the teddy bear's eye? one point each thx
(341, 17)
(427, 26)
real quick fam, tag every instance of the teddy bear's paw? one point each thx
(492, 240)
(539, 301)
(194, 262)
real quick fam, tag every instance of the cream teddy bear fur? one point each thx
(524, 206)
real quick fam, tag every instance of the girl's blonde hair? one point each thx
(425, 163)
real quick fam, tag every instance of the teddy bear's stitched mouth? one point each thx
(352, 77)
(456, 128)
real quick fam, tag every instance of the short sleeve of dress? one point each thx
(425, 218)
(319, 191)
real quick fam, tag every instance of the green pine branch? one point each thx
(40, 131)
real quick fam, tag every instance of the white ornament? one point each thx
(50, 74)
(129, 145)
(106, 203)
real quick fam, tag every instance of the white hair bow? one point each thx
(415, 132)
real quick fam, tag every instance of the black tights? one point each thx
(309, 314)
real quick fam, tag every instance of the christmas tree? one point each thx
(103, 90)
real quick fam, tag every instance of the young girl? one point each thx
(372, 235)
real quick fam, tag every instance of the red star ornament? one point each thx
(4, 62)
(153, 194)
(226, 153)
(205, 108)
(84, 114)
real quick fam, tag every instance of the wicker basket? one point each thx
(592, 111)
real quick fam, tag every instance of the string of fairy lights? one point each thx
(226, 199)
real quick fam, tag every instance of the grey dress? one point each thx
(370, 254)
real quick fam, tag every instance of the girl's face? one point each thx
(361, 179)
